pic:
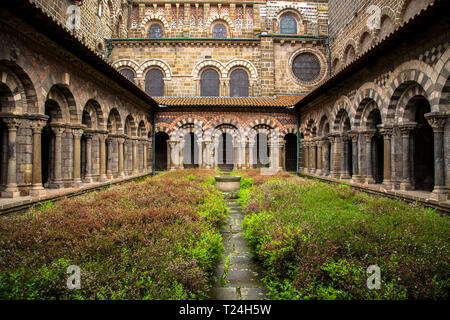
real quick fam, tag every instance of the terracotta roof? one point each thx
(278, 101)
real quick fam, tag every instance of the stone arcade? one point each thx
(147, 86)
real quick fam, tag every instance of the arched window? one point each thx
(306, 67)
(128, 73)
(288, 25)
(155, 31)
(239, 83)
(154, 83)
(209, 83)
(219, 31)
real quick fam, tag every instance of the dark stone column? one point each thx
(368, 135)
(355, 169)
(37, 125)
(437, 122)
(387, 154)
(406, 129)
(11, 190)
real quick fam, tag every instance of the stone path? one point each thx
(237, 276)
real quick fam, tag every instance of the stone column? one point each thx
(77, 133)
(437, 122)
(386, 132)
(206, 154)
(37, 125)
(281, 155)
(109, 158)
(406, 130)
(337, 156)
(307, 157)
(355, 169)
(319, 170)
(11, 190)
(251, 154)
(88, 177)
(58, 129)
(103, 135)
(345, 165)
(171, 162)
(368, 135)
(120, 142)
(135, 168)
(325, 158)
(332, 140)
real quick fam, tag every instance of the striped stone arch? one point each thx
(343, 103)
(413, 90)
(441, 96)
(402, 78)
(363, 97)
(323, 119)
(343, 59)
(151, 17)
(208, 63)
(273, 124)
(219, 17)
(287, 131)
(387, 11)
(16, 103)
(155, 63)
(241, 63)
(218, 122)
(126, 63)
(288, 8)
(309, 125)
(197, 126)
(162, 127)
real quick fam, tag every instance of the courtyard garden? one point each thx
(158, 238)
(316, 241)
(153, 239)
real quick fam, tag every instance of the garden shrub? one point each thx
(316, 241)
(156, 239)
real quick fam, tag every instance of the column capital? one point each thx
(58, 128)
(353, 135)
(386, 131)
(368, 134)
(406, 128)
(77, 130)
(37, 125)
(12, 122)
(437, 120)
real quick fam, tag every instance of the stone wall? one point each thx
(350, 35)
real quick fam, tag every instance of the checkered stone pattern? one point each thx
(431, 57)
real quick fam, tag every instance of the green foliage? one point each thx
(315, 241)
(156, 239)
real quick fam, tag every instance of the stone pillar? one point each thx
(345, 165)
(355, 169)
(325, 158)
(120, 142)
(251, 154)
(58, 129)
(368, 135)
(135, 168)
(337, 156)
(332, 140)
(88, 176)
(437, 122)
(144, 154)
(307, 157)
(406, 130)
(319, 158)
(103, 158)
(109, 158)
(37, 125)
(386, 132)
(11, 190)
(171, 162)
(281, 155)
(206, 154)
(77, 133)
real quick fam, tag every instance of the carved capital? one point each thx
(369, 134)
(37, 125)
(436, 120)
(12, 123)
(406, 128)
(57, 128)
(386, 131)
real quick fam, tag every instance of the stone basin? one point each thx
(228, 183)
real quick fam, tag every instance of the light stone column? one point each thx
(332, 140)
(387, 132)
(355, 167)
(207, 154)
(58, 129)
(170, 150)
(337, 156)
(11, 190)
(77, 133)
(251, 154)
(406, 130)
(144, 154)
(88, 177)
(368, 135)
(37, 125)
(120, 141)
(103, 136)
(306, 146)
(438, 122)
(281, 155)
(319, 157)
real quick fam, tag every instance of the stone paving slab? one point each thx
(243, 277)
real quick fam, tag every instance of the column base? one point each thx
(345, 177)
(102, 178)
(406, 185)
(88, 180)
(11, 193)
(387, 184)
(37, 191)
(356, 179)
(76, 183)
(370, 181)
(440, 193)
